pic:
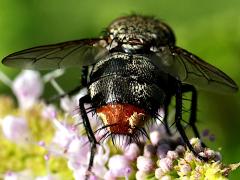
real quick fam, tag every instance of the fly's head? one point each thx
(133, 33)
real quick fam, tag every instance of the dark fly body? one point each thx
(130, 72)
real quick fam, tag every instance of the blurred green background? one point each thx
(210, 29)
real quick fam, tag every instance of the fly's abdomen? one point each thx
(125, 104)
(114, 89)
(125, 91)
(124, 78)
(136, 67)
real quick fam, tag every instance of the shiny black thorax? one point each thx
(129, 78)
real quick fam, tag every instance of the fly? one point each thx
(130, 72)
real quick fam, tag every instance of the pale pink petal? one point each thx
(119, 165)
(132, 152)
(27, 87)
(49, 112)
(15, 129)
(145, 164)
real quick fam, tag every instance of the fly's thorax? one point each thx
(139, 32)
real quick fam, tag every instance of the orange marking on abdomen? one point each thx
(122, 118)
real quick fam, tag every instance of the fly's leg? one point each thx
(165, 119)
(86, 123)
(89, 131)
(178, 118)
(193, 113)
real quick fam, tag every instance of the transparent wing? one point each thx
(62, 55)
(190, 69)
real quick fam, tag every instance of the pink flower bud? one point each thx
(196, 143)
(99, 170)
(119, 165)
(202, 154)
(189, 157)
(102, 155)
(27, 174)
(155, 137)
(49, 112)
(166, 164)
(172, 155)
(48, 177)
(145, 164)
(42, 143)
(166, 177)
(80, 173)
(63, 134)
(185, 169)
(141, 175)
(27, 87)
(109, 176)
(77, 151)
(132, 151)
(159, 173)
(11, 176)
(15, 129)
(67, 104)
(47, 157)
(210, 154)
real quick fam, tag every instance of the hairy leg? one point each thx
(178, 118)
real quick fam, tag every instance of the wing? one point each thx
(190, 69)
(62, 55)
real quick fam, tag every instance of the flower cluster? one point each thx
(43, 142)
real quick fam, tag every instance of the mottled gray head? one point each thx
(136, 32)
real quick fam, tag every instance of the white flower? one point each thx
(15, 129)
(102, 155)
(71, 104)
(132, 151)
(141, 175)
(172, 155)
(145, 164)
(27, 87)
(155, 137)
(49, 112)
(63, 135)
(166, 164)
(77, 152)
(23, 175)
(67, 104)
(80, 173)
(48, 177)
(119, 166)
(109, 176)
(159, 173)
